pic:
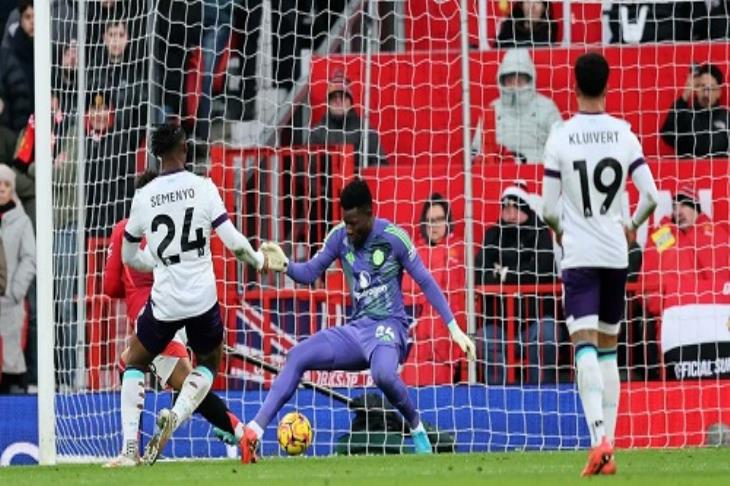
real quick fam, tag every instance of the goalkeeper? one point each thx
(373, 253)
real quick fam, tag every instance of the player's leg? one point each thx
(613, 301)
(386, 343)
(332, 349)
(582, 303)
(149, 340)
(212, 408)
(384, 362)
(205, 337)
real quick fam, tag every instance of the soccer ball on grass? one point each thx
(294, 433)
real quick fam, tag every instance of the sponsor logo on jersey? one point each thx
(350, 258)
(364, 280)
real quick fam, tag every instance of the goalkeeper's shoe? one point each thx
(249, 443)
(224, 436)
(421, 443)
(598, 458)
(166, 425)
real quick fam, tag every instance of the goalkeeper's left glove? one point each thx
(276, 260)
(464, 341)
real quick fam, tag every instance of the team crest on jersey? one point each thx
(364, 280)
(378, 257)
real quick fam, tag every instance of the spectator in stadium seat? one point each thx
(434, 359)
(687, 256)
(16, 70)
(16, 233)
(530, 24)
(696, 125)
(633, 22)
(714, 21)
(341, 125)
(110, 166)
(519, 250)
(122, 74)
(523, 117)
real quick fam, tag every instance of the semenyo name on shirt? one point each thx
(173, 196)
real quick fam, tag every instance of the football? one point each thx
(294, 433)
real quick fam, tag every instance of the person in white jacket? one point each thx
(18, 243)
(523, 117)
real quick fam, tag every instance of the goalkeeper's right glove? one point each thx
(464, 341)
(276, 260)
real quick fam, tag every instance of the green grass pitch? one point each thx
(641, 467)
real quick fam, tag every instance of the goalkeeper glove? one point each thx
(464, 341)
(276, 260)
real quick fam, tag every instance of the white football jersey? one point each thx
(176, 213)
(593, 155)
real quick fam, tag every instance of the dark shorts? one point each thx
(594, 292)
(205, 332)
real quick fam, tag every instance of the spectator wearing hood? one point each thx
(529, 24)
(18, 244)
(341, 125)
(697, 125)
(16, 70)
(433, 358)
(523, 117)
(519, 250)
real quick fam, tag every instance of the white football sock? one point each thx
(132, 404)
(590, 389)
(256, 428)
(195, 387)
(611, 389)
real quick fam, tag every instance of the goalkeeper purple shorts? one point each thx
(595, 291)
(205, 332)
(360, 338)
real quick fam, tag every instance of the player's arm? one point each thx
(411, 261)
(132, 255)
(551, 187)
(227, 232)
(307, 272)
(237, 243)
(648, 194)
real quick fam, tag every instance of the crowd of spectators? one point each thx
(118, 103)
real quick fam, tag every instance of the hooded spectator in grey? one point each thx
(523, 117)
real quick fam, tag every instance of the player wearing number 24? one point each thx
(373, 253)
(176, 214)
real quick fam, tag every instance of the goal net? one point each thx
(284, 102)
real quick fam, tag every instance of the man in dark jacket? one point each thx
(519, 250)
(697, 126)
(16, 71)
(342, 125)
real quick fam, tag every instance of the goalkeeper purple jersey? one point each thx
(375, 271)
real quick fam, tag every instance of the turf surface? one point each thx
(642, 467)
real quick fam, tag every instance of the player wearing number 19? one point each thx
(176, 213)
(588, 159)
(373, 253)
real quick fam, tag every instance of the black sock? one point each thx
(215, 411)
